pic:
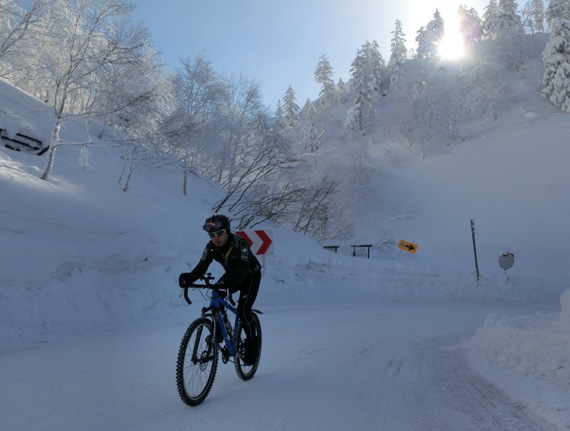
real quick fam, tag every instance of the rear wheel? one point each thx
(197, 362)
(246, 370)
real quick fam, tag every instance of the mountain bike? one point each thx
(208, 337)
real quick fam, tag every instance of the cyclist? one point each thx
(242, 272)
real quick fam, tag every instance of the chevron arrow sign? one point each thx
(259, 241)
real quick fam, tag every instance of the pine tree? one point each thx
(429, 38)
(360, 86)
(508, 13)
(324, 76)
(557, 9)
(280, 117)
(490, 20)
(556, 57)
(367, 73)
(376, 65)
(510, 33)
(398, 51)
(290, 108)
(310, 134)
(342, 90)
(420, 36)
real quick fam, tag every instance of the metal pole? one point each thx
(474, 247)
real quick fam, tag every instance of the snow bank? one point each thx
(529, 357)
(535, 345)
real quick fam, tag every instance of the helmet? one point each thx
(217, 222)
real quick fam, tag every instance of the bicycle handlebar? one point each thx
(206, 278)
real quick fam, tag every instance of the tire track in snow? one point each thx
(450, 395)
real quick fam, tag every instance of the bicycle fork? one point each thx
(202, 357)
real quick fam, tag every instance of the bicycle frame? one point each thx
(217, 304)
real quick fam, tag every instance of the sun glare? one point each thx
(451, 47)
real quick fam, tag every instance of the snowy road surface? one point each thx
(389, 367)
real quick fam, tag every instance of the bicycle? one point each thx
(205, 338)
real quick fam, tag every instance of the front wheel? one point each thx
(197, 362)
(246, 370)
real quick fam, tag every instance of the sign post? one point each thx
(474, 248)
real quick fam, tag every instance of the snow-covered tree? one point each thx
(428, 39)
(470, 25)
(537, 14)
(490, 20)
(398, 51)
(527, 19)
(280, 117)
(195, 108)
(135, 98)
(342, 91)
(324, 76)
(15, 23)
(376, 65)
(313, 212)
(367, 73)
(310, 134)
(363, 93)
(508, 15)
(360, 86)
(510, 33)
(290, 109)
(556, 58)
(419, 119)
(79, 39)
(532, 16)
(241, 113)
(557, 9)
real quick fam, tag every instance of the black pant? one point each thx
(248, 289)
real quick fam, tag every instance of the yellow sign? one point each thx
(410, 247)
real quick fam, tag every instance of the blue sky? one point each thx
(279, 42)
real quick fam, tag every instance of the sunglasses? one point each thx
(216, 233)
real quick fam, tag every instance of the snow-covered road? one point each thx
(388, 367)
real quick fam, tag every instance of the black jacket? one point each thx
(235, 257)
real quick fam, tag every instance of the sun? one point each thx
(451, 46)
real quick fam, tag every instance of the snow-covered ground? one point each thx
(91, 314)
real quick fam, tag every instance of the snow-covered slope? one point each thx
(81, 256)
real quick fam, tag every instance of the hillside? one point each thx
(80, 256)
(508, 174)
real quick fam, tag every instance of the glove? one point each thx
(186, 279)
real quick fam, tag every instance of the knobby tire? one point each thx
(246, 372)
(197, 362)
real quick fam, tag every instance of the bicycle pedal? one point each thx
(225, 355)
